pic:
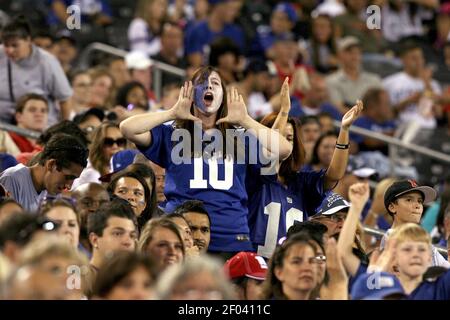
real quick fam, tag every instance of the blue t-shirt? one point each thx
(86, 9)
(298, 111)
(367, 123)
(219, 184)
(433, 290)
(273, 208)
(265, 38)
(200, 36)
(362, 269)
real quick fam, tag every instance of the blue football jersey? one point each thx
(219, 183)
(433, 290)
(273, 208)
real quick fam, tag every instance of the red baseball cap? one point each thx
(246, 264)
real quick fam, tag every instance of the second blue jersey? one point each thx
(273, 207)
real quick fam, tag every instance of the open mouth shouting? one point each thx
(208, 99)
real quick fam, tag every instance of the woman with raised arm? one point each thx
(358, 196)
(291, 193)
(219, 142)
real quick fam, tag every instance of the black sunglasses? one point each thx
(109, 142)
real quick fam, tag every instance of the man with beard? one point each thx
(199, 222)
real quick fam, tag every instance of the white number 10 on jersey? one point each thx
(199, 183)
(273, 210)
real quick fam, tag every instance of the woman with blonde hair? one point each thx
(200, 278)
(161, 239)
(64, 265)
(106, 141)
(63, 212)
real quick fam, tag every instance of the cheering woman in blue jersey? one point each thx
(215, 177)
(276, 201)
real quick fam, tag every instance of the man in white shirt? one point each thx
(413, 91)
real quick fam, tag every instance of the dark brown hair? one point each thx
(331, 43)
(96, 154)
(27, 97)
(315, 154)
(231, 146)
(118, 267)
(150, 200)
(296, 159)
(272, 286)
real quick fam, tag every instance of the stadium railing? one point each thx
(158, 67)
(379, 234)
(395, 142)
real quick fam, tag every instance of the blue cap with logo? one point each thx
(376, 286)
(119, 161)
(331, 204)
(288, 9)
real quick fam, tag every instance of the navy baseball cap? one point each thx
(288, 9)
(402, 187)
(7, 161)
(82, 117)
(332, 204)
(376, 286)
(256, 66)
(119, 161)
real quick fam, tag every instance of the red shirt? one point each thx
(22, 142)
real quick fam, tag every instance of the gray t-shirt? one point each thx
(40, 73)
(342, 89)
(17, 180)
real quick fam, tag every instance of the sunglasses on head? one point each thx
(48, 199)
(41, 224)
(109, 142)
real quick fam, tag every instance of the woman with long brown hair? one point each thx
(211, 162)
(106, 141)
(291, 194)
(292, 273)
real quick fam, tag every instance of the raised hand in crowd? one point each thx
(182, 109)
(351, 115)
(285, 102)
(358, 195)
(383, 261)
(337, 286)
(237, 110)
(338, 165)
